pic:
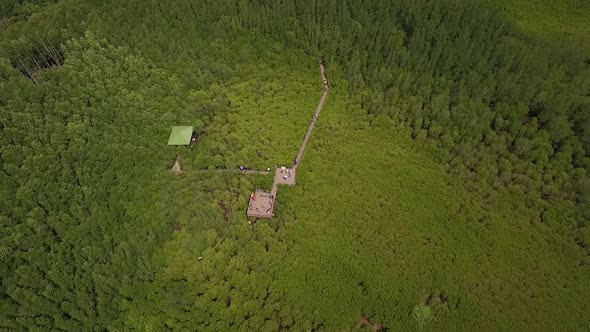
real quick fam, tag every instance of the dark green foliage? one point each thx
(21, 9)
(445, 187)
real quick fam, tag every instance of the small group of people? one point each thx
(270, 202)
(255, 209)
(286, 172)
(262, 209)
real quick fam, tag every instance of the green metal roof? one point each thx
(180, 135)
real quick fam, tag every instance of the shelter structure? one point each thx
(176, 169)
(261, 205)
(180, 135)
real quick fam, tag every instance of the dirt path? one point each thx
(231, 170)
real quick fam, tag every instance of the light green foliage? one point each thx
(565, 20)
(445, 186)
(422, 314)
(268, 118)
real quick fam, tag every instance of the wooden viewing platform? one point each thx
(261, 204)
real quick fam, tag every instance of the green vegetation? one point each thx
(566, 20)
(445, 187)
(422, 314)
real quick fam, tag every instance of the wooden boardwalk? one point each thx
(231, 170)
(261, 204)
(314, 119)
(283, 175)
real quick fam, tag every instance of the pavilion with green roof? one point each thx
(180, 135)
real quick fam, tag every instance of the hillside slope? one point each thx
(567, 21)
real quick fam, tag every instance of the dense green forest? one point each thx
(446, 186)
